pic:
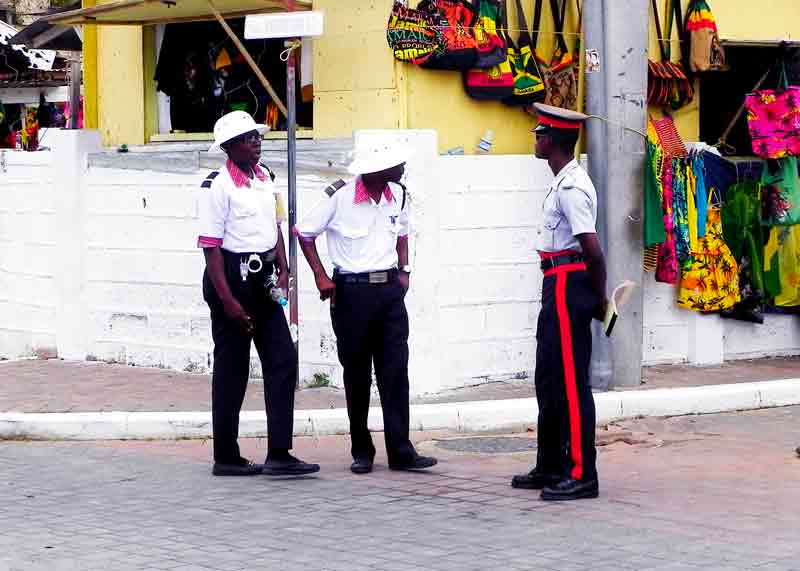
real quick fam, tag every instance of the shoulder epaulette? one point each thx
(331, 189)
(209, 179)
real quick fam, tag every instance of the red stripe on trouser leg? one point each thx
(570, 383)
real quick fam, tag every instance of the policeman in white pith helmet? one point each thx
(241, 238)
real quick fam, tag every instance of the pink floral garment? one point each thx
(773, 116)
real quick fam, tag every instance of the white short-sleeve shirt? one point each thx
(237, 213)
(570, 209)
(361, 234)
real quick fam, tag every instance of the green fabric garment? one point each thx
(653, 226)
(741, 227)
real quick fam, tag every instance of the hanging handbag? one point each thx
(496, 82)
(780, 197)
(455, 20)
(705, 51)
(560, 81)
(773, 117)
(413, 35)
(528, 82)
(491, 46)
(667, 82)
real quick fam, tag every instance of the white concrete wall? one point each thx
(28, 292)
(134, 295)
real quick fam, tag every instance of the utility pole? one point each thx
(618, 31)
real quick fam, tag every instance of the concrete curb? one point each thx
(513, 415)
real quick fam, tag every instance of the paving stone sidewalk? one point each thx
(68, 386)
(715, 492)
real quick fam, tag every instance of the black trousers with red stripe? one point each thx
(566, 427)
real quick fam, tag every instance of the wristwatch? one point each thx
(405, 269)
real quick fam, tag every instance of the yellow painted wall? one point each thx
(114, 82)
(358, 84)
(384, 93)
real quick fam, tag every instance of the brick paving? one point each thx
(64, 386)
(712, 492)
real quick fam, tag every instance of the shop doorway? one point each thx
(200, 76)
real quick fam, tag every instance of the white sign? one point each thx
(283, 25)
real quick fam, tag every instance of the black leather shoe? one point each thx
(418, 463)
(570, 489)
(288, 466)
(361, 466)
(242, 468)
(534, 480)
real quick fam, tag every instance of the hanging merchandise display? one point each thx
(528, 83)
(496, 82)
(561, 85)
(705, 51)
(781, 196)
(782, 265)
(456, 21)
(711, 281)
(413, 35)
(653, 225)
(773, 117)
(667, 82)
(741, 227)
(491, 46)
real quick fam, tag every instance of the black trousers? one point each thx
(371, 326)
(232, 361)
(566, 426)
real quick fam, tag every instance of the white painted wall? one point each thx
(475, 290)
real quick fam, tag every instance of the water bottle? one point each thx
(278, 295)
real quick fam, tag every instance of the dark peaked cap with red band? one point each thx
(557, 118)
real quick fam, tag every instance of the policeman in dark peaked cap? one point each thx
(573, 293)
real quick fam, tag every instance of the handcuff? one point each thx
(253, 265)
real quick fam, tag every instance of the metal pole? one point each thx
(602, 368)
(616, 156)
(291, 133)
(74, 93)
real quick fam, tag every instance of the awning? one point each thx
(43, 35)
(37, 59)
(143, 12)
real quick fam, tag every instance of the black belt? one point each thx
(556, 261)
(371, 278)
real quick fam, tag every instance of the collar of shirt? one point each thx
(241, 178)
(562, 174)
(362, 194)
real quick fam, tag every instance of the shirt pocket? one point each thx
(552, 220)
(243, 206)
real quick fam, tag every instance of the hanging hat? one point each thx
(376, 158)
(232, 125)
(557, 118)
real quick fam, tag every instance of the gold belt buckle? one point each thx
(379, 277)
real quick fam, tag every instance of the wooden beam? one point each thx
(251, 62)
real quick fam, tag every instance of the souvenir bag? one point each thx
(773, 117)
(711, 281)
(496, 82)
(561, 85)
(491, 45)
(705, 51)
(667, 82)
(455, 20)
(528, 83)
(413, 35)
(782, 265)
(780, 199)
